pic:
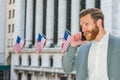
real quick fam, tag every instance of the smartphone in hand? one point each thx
(83, 37)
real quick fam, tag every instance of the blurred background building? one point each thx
(4, 69)
(28, 18)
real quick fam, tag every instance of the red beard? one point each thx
(91, 35)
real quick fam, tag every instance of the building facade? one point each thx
(2, 30)
(4, 69)
(28, 18)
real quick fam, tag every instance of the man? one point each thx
(96, 58)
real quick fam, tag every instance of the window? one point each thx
(82, 4)
(74, 77)
(1, 73)
(40, 61)
(4, 74)
(63, 78)
(55, 22)
(13, 13)
(13, 1)
(10, 1)
(9, 14)
(9, 27)
(19, 76)
(29, 60)
(25, 19)
(51, 61)
(8, 42)
(29, 76)
(34, 15)
(20, 60)
(44, 16)
(12, 43)
(12, 27)
(68, 22)
(97, 4)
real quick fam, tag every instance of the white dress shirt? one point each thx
(97, 59)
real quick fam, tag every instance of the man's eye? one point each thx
(86, 24)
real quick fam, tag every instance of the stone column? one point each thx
(39, 17)
(50, 22)
(57, 60)
(19, 19)
(106, 7)
(44, 77)
(24, 76)
(90, 3)
(34, 59)
(29, 22)
(14, 61)
(40, 76)
(69, 77)
(115, 19)
(3, 29)
(24, 59)
(75, 8)
(4, 32)
(45, 60)
(61, 20)
(56, 76)
(33, 76)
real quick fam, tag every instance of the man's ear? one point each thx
(99, 22)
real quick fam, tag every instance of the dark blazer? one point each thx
(77, 59)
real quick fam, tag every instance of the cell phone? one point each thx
(83, 37)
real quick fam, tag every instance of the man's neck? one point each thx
(100, 35)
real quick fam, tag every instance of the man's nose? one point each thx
(83, 28)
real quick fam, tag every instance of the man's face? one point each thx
(89, 28)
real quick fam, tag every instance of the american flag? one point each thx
(18, 45)
(66, 41)
(41, 41)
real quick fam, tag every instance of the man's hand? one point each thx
(75, 39)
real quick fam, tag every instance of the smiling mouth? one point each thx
(86, 33)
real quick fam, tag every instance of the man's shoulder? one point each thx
(114, 41)
(114, 37)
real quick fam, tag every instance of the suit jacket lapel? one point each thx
(83, 61)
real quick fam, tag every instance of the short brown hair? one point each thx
(94, 12)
